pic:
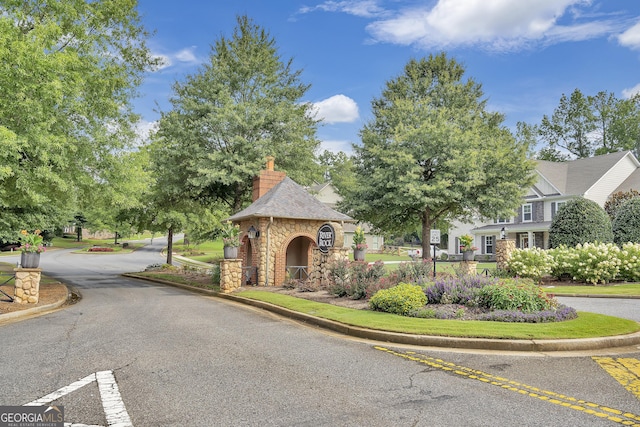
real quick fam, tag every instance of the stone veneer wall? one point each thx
(469, 268)
(230, 275)
(321, 263)
(504, 247)
(27, 285)
(276, 235)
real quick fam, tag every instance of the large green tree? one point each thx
(583, 126)
(433, 154)
(243, 105)
(68, 70)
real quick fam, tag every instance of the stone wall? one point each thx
(504, 247)
(27, 285)
(469, 268)
(322, 261)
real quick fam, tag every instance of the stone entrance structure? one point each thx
(279, 232)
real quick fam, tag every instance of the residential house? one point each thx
(594, 178)
(326, 193)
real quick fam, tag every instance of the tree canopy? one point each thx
(433, 154)
(583, 126)
(68, 70)
(243, 105)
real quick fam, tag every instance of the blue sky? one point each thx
(526, 54)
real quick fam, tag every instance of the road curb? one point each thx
(30, 312)
(540, 346)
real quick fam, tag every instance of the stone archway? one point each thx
(298, 255)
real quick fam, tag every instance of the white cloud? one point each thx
(144, 129)
(187, 55)
(336, 146)
(631, 37)
(337, 109)
(362, 8)
(490, 24)
(628, 93)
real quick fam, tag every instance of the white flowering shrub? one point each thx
(533, 263)
(564, 261)
(597, 263)
(630, 262)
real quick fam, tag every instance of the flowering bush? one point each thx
(359, 240)
(630, 262)
(564, 260)
(561, 313)
(230, 235)
(466, 243)
(533, 263)
(352, 279)
(417, 272)
(596, 263)
(31, 242)
(462, 290)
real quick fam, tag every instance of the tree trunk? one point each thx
(426, 234)
(170, 247)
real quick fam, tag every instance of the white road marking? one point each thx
(114, 409)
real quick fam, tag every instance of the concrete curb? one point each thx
(30, 312)
(564, 345)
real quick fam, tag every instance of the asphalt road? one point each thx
(181, 359)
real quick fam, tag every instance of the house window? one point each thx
(488, 244)
(502, 221)
(527, 213)
(555, 207)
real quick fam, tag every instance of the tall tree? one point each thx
(433, 154)
(68, 70)
(570, 126)
(243, 105)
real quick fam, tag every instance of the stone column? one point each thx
(27, 285)
(504, 247)
(469, 268)
(230, 275)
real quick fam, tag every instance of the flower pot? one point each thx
(358, 254)
(230, 252)
(29, 259)
(467, 256)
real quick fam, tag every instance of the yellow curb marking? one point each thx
(624, 370)
(600, 411)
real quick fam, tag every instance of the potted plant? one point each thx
(467, 248)
(359, 244)
(30, 247)
(230, 239)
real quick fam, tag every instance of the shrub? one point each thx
(401, 299)
(616, 200)
(580, 221)
(533, 263)
(353, 278)
(564, 263)
(215, 274)
(418, 272)
(521, 295)
(596, 263)
(458, 290)
(558, 315)
(626, 224)
(99, 249)
(630, 262)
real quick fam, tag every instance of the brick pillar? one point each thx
(230, 275)
(27, 285)
(504, 247)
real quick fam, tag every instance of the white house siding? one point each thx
(607, 184)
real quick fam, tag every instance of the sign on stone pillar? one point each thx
(504, 248)
(27, 285)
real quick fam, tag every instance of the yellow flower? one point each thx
(23, 232)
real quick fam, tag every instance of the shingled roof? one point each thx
(290, 200)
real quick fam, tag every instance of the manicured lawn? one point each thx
(615, 289)
(587, 325)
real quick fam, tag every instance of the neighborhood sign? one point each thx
(326, 238)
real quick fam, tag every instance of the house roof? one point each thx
(576, 177)
(631, 183)
(290, 200)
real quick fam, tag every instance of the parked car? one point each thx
(6, 247)
(417, 253)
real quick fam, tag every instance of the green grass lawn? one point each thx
(587, 325)
(626, 289)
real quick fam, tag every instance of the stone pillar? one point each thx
(322, 262)
(504, 247)
(27, 285)
(469, 268)
(230, 275)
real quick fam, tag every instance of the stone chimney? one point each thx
(267, 179)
